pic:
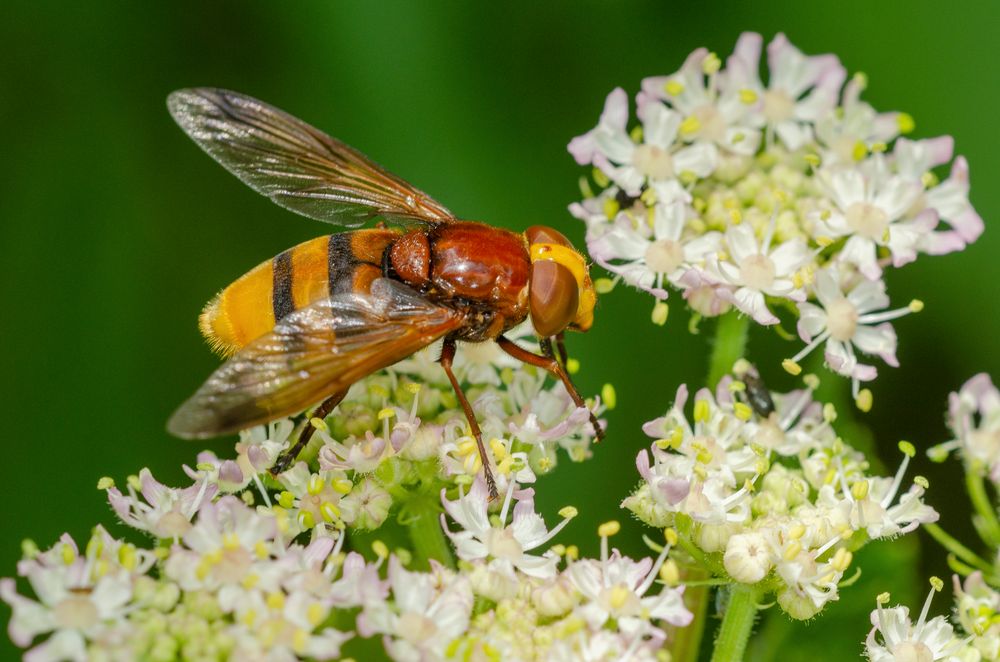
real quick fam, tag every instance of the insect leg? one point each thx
(447, 355)
(561, 346)
(286, 458)
(552, 365)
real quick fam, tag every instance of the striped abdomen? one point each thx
(332, 264)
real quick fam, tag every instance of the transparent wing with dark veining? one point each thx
(294, 164)
(311, 354)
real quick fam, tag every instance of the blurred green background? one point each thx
(115, 228)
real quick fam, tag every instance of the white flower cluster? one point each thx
(974, 419)
(225, 581)
(790, 193)
(774, 499)
(973, 634)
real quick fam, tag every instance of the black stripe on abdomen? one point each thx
(340, 263)
(281, 294)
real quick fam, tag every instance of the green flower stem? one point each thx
(737, 624)
(990, 526)
(686, 641)
(730, 344)
(958, 549)
(429, 540)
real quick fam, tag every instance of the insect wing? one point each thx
(313, 352)
(294, 164)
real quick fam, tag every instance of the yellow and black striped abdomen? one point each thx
(332, 264)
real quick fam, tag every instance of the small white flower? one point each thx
(747, 558)
(165, 512)
(850, 313)
(905, 641)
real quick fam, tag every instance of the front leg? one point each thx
(447, 356)
(285, 459)
(553, 366)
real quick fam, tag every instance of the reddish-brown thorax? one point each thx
(476, 266)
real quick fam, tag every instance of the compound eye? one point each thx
(554, 297)
(540, 234)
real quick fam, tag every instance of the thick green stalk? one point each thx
(737, 624)
(429, 540)
(990, 526)
(730, 344)
(955, 547)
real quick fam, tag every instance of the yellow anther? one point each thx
(105, 483)
(636, 134)
(735, 216)
(907, 449)
(916, 306)
(792, 550)
(231, 541)
(380, 549)
(700, 472)
(905, 123)
(249, 581)
(609, 396)
(704, 457)
(648, 198)
(859, 490)
(619, 596)
(306, 519)
(791, 367)
(413, 387)
(342, 485)
(604, 285)
(748, 96)
(202, 569)
(572, 552)
(811, 381)
(609, 529)
(936, 583)
(669, 572)
(329, 511)
(922, 482)
(691, 124)
(879, 147)
(797, 531)
(742, 411)
(286, 499)
(829, 412)
(378, 391)
(701, 411)
(127, 557)
(841, 559)
(711, 64)
(386, 412)
(673, 87)
(860, 79)
(249, 617)
(929, 179)
(860, 151)
(660, 313)
(600, 178)
(611, 208)
(276, 601)
(319, 424)
(864, 400)
(812, 159)
(882, 598)
(572, 366)
(568, 512)
(260, 549)
(315, 484)
(558, 550)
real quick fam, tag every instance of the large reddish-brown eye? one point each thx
(554, 297)
(539, 234)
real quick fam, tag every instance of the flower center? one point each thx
(778, 106)
(912, 651)
(172, 525)
(711, 124)
(76, 611)
(654, 162)
(502, 544)
(664, 256)
(757, 272)
(769, 434)
(620, 600)
(867, 220)
(841, 319)
(415, 628)
(234, 565)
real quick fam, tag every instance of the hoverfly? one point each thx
(301, 328)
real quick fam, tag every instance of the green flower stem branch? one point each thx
(729, 346)
(988, 525)
(737, 624)
(958, 549)
(424, 526)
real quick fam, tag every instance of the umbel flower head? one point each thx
(775, 500)
(786, 192)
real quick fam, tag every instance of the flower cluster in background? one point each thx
(785, 194)
(773, 499)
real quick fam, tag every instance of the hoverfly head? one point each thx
(561, 294)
